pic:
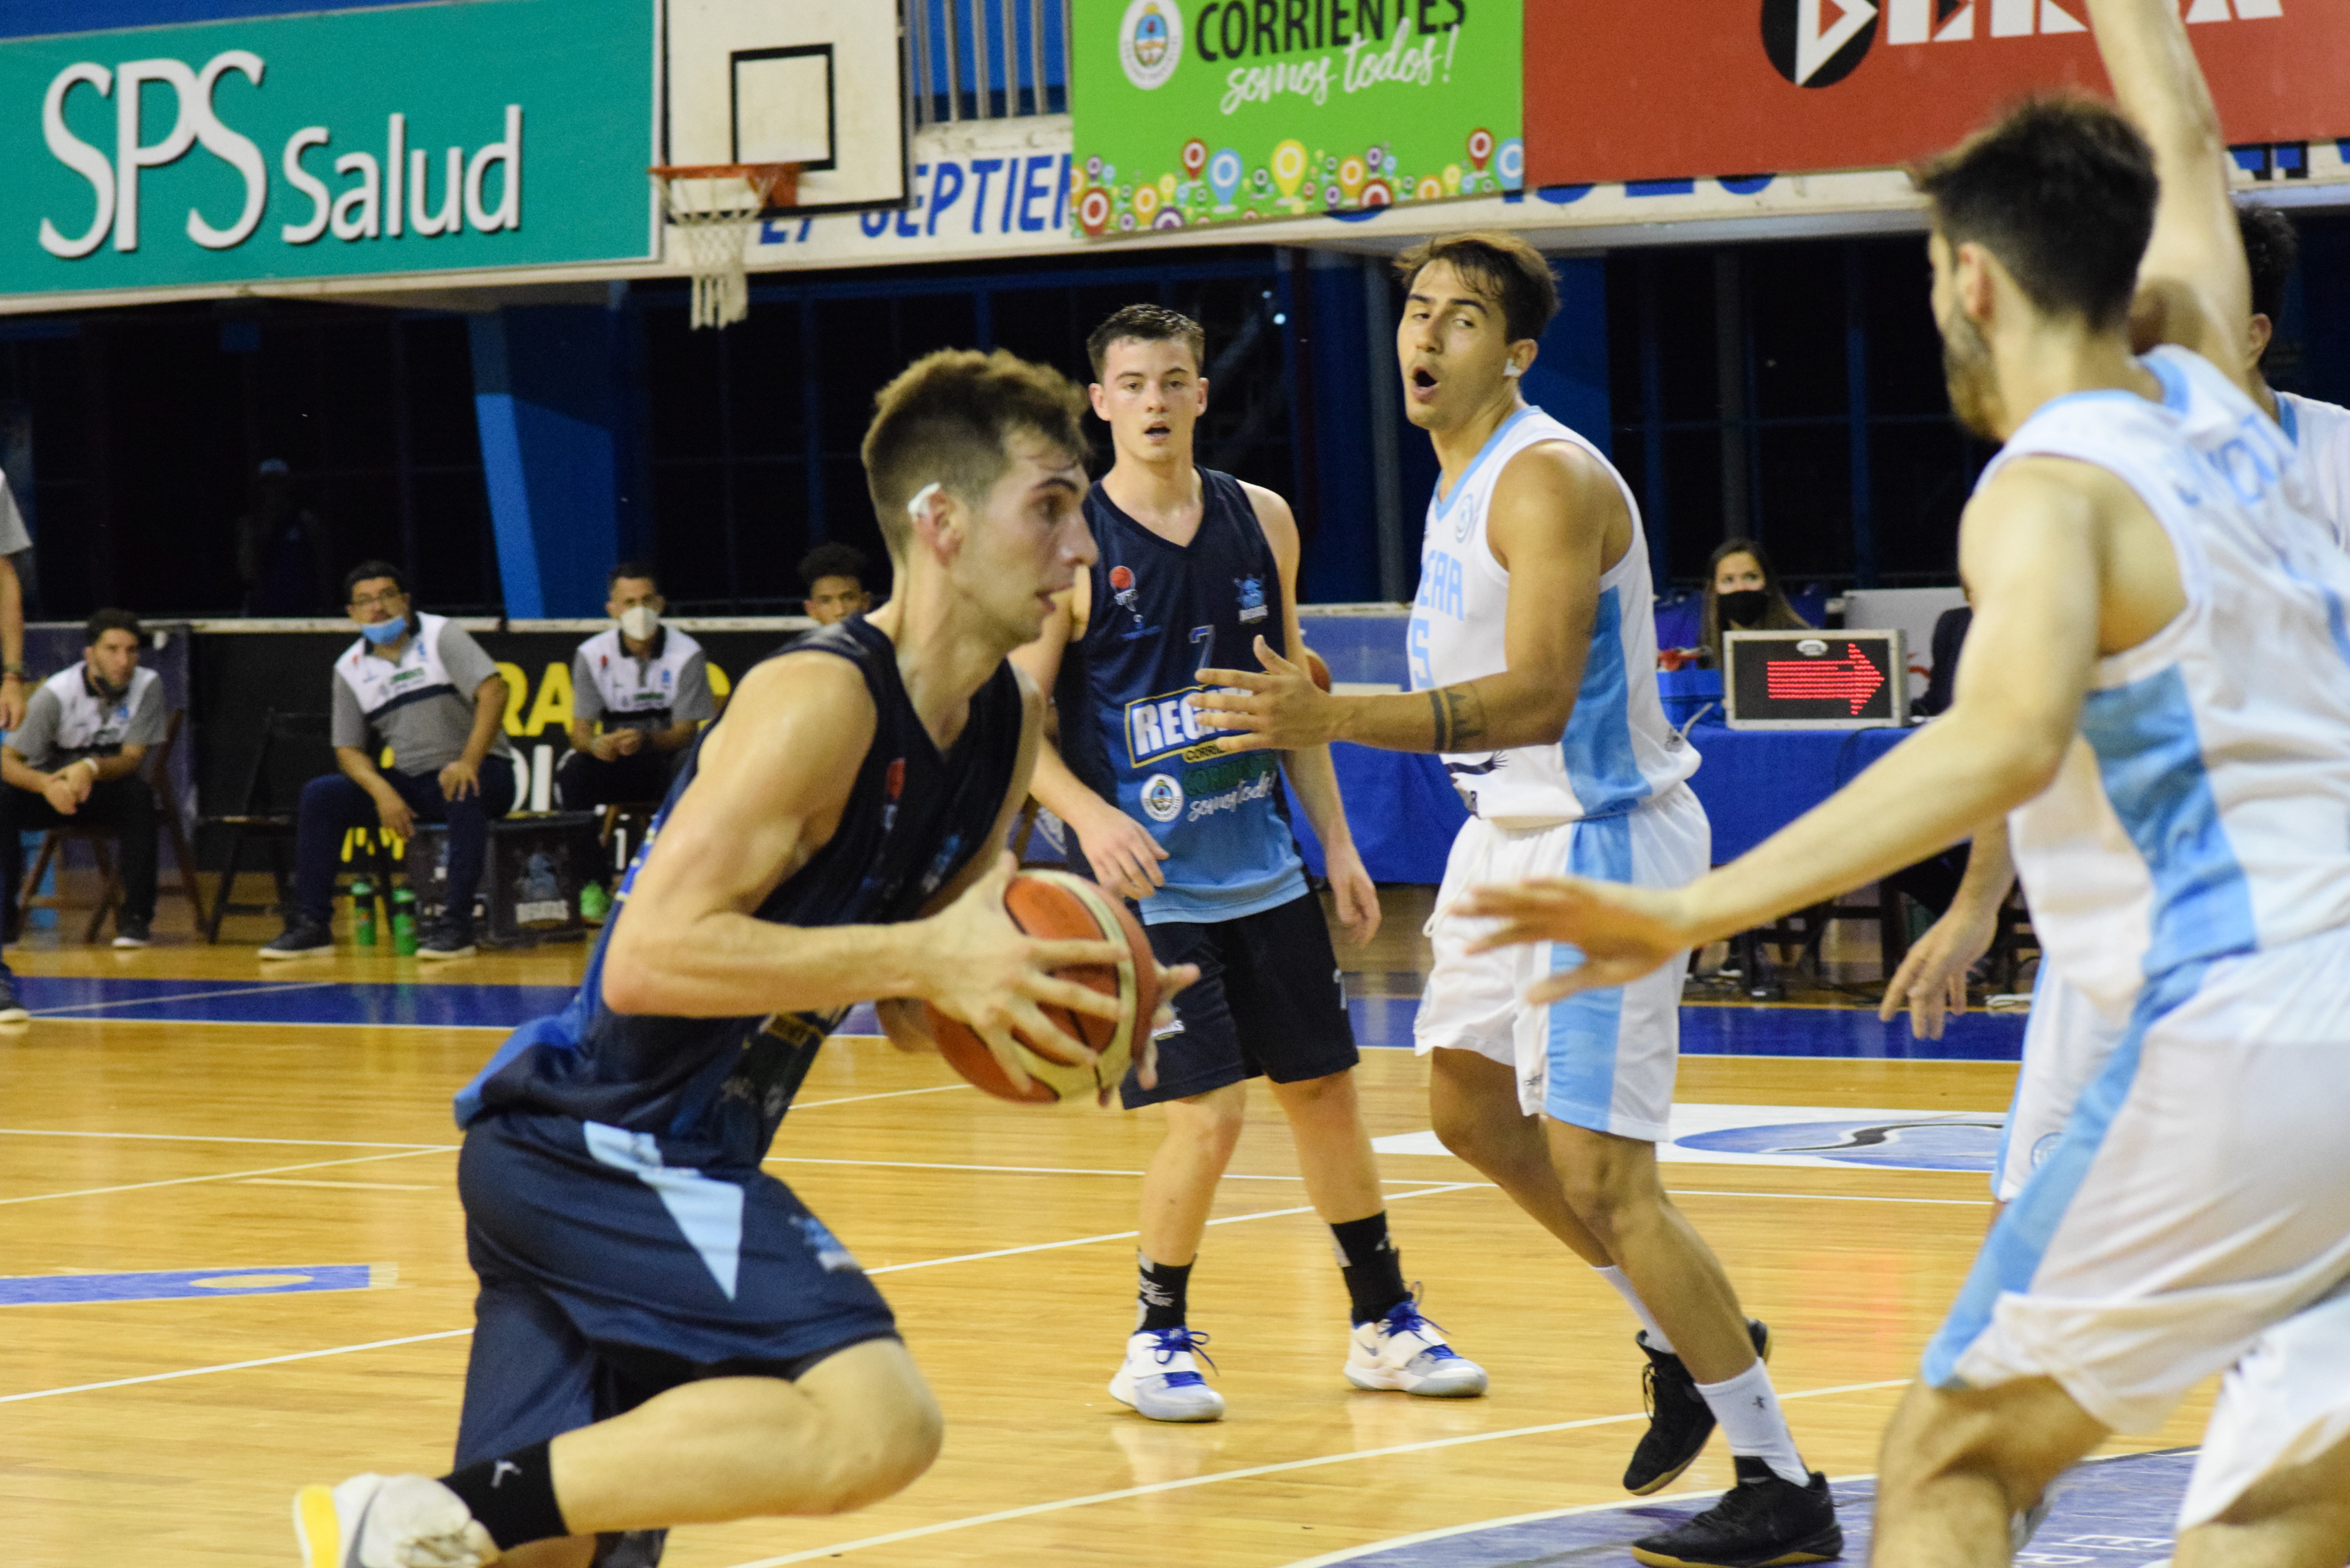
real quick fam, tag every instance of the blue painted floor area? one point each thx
(189, 1284)
(2117, 1513)
(1383, 1022)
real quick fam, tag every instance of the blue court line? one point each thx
(2119, 1511)
(1380, 1021)
(192, 1284)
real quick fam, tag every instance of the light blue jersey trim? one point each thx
(1443, 502)
(1209, 906)
(2150, 758)
(2289, 418)
(1597, 746)
(2173, 378)
(1579, 1065)
(2012, 1253)
(709, 1212)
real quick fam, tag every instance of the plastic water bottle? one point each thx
(403, 922)
(595, 904)
(363, 913)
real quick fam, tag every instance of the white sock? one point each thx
(1615, 1276)
(1748, 1408)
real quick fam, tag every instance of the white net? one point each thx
(711, 211)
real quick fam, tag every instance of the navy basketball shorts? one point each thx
(1262, 1005)
(608, 1278)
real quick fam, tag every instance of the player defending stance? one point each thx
(665, 1335)
(1531, 646)
(2154, 688)
(1192, 561)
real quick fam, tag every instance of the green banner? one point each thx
(428, 138)
(1204, 111)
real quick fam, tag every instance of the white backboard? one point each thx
(819, 83)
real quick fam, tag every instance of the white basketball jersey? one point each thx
(2322, 431)
(2204, 810)
(1617, 751)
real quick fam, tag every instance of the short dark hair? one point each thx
(1503, 267)
(1146, 323)
(948, 418)
(835, 559)
(642, 570)
(2062, 190)
(103, 621)
(367, 570)
(2272, 249)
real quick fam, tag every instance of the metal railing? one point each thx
(987, 59)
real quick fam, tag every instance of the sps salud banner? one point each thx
(406, 139)
(1652, 90)
(1207, 111)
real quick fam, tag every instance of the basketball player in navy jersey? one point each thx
(664, 1334)
(1531, 646)
(1192, 561)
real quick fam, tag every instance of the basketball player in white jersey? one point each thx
(2155, 687)
(1533, 648)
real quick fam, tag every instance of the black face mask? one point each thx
(1745, 608)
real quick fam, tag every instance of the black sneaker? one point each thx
(1680, 1421)
(447, 940)
(131, 932)
(11, 1009)
(1761, 1522)
(303, 937)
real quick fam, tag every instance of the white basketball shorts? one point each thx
(2066, 1041)
(2199, 1197)
(1605, 1059)
(2284, 1404)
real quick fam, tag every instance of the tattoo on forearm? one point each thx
(1458, 713)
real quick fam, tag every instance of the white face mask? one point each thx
(640, 621)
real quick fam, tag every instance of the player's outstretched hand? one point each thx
(989, 973)
(1278, 709)
(1146, 1044)
(1624, 931)
(1932, 981)
(1123, 854)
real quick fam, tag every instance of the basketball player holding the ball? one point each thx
(1192, 562)
(664, 1334)
(1530, 649)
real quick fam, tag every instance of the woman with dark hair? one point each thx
(1742, 593)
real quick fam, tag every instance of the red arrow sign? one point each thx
(1851, 678)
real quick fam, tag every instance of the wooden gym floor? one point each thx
(260, 1156)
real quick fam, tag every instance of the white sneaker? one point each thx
(1161, 1380)
(1404, 1350)
(388, 1522)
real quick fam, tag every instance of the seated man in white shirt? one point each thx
(649, 684)
(76, 760)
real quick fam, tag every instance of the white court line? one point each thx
(1067, 1169)
(1251, 1471)
(223, 1175)
(370, 1185)
(889, 1095)
(185, 996)
(206, 1138)
(1833, 1197)
(231, 1365)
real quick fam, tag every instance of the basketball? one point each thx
(1059, 905)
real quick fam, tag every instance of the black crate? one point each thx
(530, 881)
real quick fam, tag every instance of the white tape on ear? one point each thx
(915, 507)
(1512, 370)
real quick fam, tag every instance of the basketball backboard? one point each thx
(819, 83)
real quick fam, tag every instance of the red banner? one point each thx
(1657, 89)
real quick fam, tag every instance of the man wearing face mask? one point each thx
(75, 759)
(421, 686)
(649, 683)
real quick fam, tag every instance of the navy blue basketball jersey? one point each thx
(1161, 612)
(711, 1091)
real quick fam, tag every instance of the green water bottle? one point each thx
(595, 904)
(403, 922)
(363, 913)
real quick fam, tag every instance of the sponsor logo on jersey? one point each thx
(1163, 797)
(1252, 605)
(1157, 726)
(1121, 582)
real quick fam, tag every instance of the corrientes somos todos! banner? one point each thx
(1203, 112)
(406, 139)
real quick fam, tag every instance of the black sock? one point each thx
(1159, 1300)
(1373, 1268)
(512, 1497)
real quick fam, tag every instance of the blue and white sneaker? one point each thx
(1161, 1380)
(388, 1522)
(1404, 1350)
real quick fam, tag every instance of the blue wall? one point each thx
(547, 392)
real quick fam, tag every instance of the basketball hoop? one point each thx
(712, 208)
